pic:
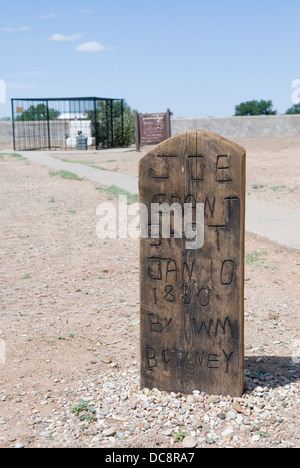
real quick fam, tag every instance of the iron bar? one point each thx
(54, 123)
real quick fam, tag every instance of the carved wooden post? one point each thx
(192, 283)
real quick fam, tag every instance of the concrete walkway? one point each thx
(95, 175)
(276, 223)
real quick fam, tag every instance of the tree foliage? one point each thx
(294, 110)
(108, 124)
(250, 108)
(38, 113)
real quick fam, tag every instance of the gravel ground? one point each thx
(70, 325)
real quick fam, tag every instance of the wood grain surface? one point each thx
(192, 289)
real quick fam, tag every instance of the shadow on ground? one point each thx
(270, 372)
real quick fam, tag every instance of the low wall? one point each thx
(34, 134)
(275, 126)
(6, 135)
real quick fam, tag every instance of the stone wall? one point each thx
(276, 126)
(6, 135)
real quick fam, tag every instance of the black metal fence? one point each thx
(54, 124)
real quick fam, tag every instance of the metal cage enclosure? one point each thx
(54, 124)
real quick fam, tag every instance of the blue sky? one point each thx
(198, 57)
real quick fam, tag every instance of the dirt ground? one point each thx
(69, 305)
(273, 173)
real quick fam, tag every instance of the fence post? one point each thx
(168, 124)
(112, 122)
(48, 126)
(137, 131)
(96, 124)
(122, 112)
(13, 123)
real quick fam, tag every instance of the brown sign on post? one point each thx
(192, 266)
(152, 129)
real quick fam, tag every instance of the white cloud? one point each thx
(92, 46)
(22, 28)
(49, 16)
(62, 37)
(86, 10)
(8, 29)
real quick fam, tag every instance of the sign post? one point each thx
(152, 129)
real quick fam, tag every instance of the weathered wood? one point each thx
(192, 299)
(168, 123)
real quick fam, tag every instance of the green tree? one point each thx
(255, 108)
(294, 110)
(108, 124)
(38, 113)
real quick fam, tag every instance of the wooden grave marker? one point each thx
(192, 294)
